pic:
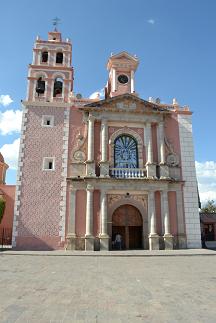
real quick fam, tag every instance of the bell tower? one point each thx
(121, 69)
(50, 76)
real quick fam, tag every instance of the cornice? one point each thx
(45, 104)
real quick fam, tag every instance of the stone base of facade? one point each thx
(89, 243)
(194, 244)
(182, 241)
(104, 169)
(164, 171)
(71, 242)
(168, 242)
(38, 243)
(151, 170)
(104, 243)
(90, 169)
(153, 242)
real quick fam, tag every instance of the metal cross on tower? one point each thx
(56, 22)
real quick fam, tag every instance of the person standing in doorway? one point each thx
(118, 241)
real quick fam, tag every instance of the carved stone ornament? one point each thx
(79, 155)
(172, 159)
(79, 150)
(113, 198)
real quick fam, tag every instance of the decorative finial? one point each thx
(56, 22)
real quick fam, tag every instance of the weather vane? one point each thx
(56, 22)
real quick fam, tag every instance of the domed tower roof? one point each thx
(1, 158)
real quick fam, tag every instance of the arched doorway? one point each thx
(127, 221)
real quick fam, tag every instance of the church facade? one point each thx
(92, 169)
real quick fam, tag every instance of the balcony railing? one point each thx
(128, 172)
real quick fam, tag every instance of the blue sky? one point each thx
(174, 40)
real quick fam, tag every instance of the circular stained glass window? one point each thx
(125, 152)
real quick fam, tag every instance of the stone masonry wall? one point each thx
(192, 221)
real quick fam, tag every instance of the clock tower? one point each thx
(121, 69)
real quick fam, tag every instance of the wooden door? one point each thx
(127, 221)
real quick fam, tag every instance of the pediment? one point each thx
(125, 103)
(123, 58)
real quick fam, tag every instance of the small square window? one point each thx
(47, 121)
(49, 163)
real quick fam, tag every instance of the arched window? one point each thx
(59, 58)
(125, 152)
(40, 86)
(44, 57)
(58, 87)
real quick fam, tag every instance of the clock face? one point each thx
(123, 79)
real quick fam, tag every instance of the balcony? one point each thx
(128, 172)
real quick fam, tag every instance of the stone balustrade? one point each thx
(128, 172)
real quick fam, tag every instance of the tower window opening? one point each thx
(59, 58)
(44, 57)
(40, 87)
(49, 163)
(58, 87)
(47, 121)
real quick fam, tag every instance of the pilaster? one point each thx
(104, 164)
(90, 164)
(89, 238)
(168, 238)
(71, 236)
(104, 237)
(153, 236)
(164, 169)
(150, 166)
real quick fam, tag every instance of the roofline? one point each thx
(96, 104)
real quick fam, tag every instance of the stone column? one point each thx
(90, 164)
(89, 238)
(104, 164)
(168, 238)
(150, 166)
(164, 169)
(113, 80)
(71, 236)
(132, 82)
(153, 236)
(104, 238)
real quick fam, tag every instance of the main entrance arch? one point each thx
(127, 221)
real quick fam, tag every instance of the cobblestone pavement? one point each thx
(40, 288)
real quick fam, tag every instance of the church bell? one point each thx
(40, 88)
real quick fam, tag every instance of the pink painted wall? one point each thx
(154, 143)
(9, 197)
(96, 210)
(97, 148)
(80, 213)
(173, 212)
(172, 132)
(39, 217)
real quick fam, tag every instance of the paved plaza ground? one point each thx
(126, 287)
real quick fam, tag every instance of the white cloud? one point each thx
(206, 176)
(97, 94)
(10, 153)
(10, 121)
(151, 21)
(5, 100)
